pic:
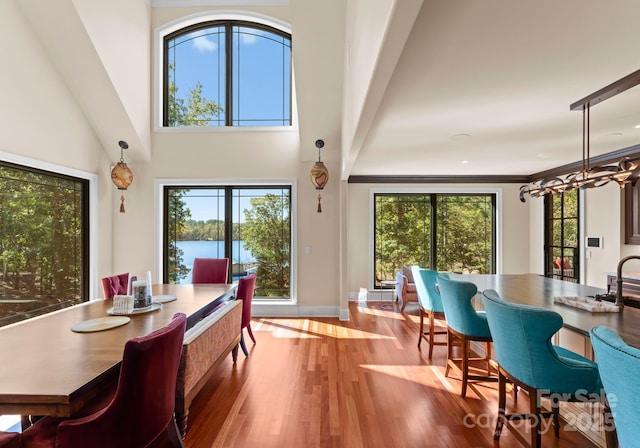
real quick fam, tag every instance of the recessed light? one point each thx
(460, 136)
(465, 161)
(637, 126)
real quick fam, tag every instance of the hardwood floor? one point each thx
(320, 382)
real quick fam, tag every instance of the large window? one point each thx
(43, 242)
(249, 225)
(227, 73)
(562, 238)
(446, 232)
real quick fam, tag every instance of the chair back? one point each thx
(210, 270)
(246, 287)
(522, 341)
(144, 401)
(115, 285)
(428, 296)
(459, 312)
(619, 365)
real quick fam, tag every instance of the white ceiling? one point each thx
(490, 82)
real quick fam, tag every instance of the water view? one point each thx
(241, 262)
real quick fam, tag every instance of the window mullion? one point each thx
(229, 74)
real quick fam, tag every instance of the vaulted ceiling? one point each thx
(404, 87)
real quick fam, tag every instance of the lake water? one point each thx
(210, 249)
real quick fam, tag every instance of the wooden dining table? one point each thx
(48, 369)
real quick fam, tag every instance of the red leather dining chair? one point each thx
(141, 410)
(10, 440)
(210, 270)
(115, 285)
(246, 286)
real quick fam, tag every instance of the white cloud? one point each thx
(204, 45)
(248, 39)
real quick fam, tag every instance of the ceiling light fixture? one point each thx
(623, 172)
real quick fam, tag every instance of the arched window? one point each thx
(227, 73)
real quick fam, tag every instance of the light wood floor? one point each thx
(320, 382)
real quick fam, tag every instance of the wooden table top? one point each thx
(536, 290)
(47, 369)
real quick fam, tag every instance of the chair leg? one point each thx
(251, 333)
(502, 402)
(487, 352)
(431, 333)
(173, 433)
(465, 365)
(242, 344)
(555, 408)
(535, 419)
(421, 327)
(450, 344)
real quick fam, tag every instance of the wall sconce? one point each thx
(121, 175)
(319, 174)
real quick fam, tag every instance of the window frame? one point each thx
(160, 234)
(90, 210)
(204, 19)
(548, 245)
(496, 231)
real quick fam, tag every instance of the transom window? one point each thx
(227, 73)
(446, 232)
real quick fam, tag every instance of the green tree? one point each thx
(405, 233)
(178, 216)
(266, 234)
(195, 110)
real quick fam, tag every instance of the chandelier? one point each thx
(623, 172)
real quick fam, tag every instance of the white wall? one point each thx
(603, 215)
(40, 120)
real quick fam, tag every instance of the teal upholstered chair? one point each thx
(619, 365)
(527, 358)
(465, 324)
(430, 303)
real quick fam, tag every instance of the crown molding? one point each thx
(216, 3)
(475, 179)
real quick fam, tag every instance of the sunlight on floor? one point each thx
(429, 376)
(305, 328)
(382, 313)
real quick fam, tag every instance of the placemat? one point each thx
(100, 324)
(163, 298)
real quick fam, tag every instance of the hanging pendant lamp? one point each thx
(121, 175)
(319, 174)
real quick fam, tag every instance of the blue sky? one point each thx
(260, 60)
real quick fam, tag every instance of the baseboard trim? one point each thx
(290, 310)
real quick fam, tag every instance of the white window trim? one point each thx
(93, 207)
(428, 190)
(159, 185)
(206, 16)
